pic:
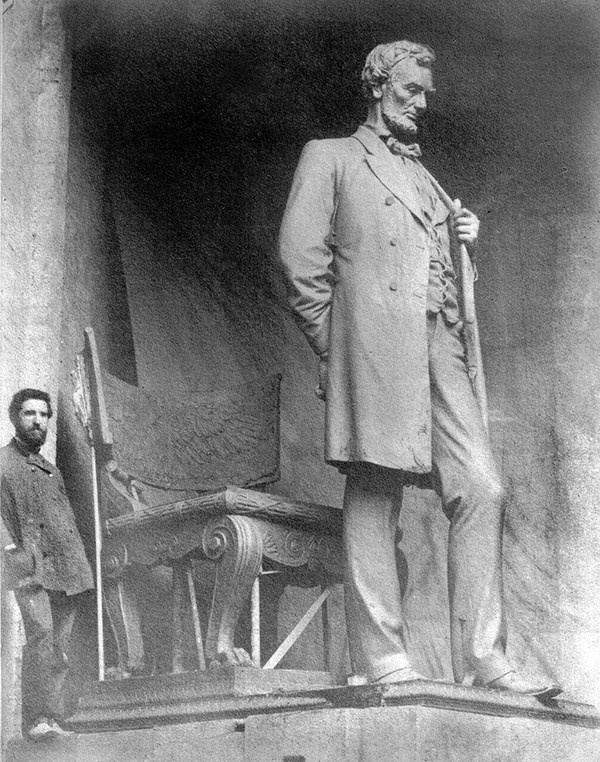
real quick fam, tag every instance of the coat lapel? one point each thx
(388, 171)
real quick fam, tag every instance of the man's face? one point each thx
(32, 423)
(403, 98)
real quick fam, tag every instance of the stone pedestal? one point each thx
(218, 741)
(413, 734)
(426, 722)
(414, 722)
(213, 694)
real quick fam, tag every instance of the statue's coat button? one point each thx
(393, 285)
(389, 200)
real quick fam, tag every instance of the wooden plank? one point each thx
(297, 631)
(195, 617)
(100, 419)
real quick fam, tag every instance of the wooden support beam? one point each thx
(297, 631)
(195, 618)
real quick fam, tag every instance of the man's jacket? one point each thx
(356, 252)
(40, 521)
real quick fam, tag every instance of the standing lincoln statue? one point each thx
(365, 243)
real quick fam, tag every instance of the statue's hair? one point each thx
(22, 396)
(382, 60)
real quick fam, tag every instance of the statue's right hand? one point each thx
(321, 389)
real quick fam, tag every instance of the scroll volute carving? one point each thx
(322, 554)
(235, 544)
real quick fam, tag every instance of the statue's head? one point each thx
(396, 80)
(383, 59)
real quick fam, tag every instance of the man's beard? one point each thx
(33, 439)
(397, 130)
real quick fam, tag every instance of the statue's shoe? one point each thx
(403, 675)
(513, 682)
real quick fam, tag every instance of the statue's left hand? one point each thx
(321, 389)
(466, 224)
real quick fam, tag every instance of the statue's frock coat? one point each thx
(356, 251)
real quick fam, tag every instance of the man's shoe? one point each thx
(402, 675)
(46, 730)
(61, 732)
(41, 730)
(515, 683)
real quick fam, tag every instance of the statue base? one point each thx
(416, 722)
(139, 702)
(414, 734)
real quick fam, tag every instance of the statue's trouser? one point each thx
(466, 479)
(48, 617)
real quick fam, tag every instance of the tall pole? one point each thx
(98, 546)
(471, 329)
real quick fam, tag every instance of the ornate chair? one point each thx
(181, 480)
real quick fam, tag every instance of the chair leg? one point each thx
(326, 632)
(234, 543)
(188, 649)
(121, 606)
(179, 617)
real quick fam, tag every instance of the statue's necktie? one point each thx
(411, 151)
(425, 193)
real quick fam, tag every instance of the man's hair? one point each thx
(382, 60)
(27, 394)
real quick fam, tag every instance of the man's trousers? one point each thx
(48, 617)
(464, 476)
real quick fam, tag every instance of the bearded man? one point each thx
(45, 564)
(365, 243)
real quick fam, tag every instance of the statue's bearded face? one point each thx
(403, 98)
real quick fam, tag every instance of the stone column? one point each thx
(50, 152)
(35, 97)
